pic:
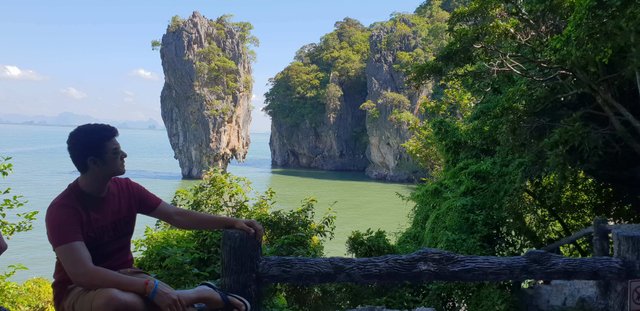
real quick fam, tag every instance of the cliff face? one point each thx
(344, 103)
(205, 101)
(336, 142)
(314, 103)
(391, 98)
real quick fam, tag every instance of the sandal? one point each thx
(225, 298)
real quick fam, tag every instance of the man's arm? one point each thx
(77, 263)
(76, 259)
(187, 219)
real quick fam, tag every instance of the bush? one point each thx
(369, 244)
(33, 295)
(185, 258)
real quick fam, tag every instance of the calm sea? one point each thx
(42, 169)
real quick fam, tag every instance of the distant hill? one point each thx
(71, 119)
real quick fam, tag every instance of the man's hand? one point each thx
(251, 227)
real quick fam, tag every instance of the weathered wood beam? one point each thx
(605, 229)
(437, 265)
(564, 241)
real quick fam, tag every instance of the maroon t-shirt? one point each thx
(104, 224)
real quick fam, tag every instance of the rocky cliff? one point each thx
(335, 142)
(345, 104)
(314, 103)
(391, 103)
(205, 101)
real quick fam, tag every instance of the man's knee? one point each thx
(113, 299)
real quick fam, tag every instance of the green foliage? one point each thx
(415, 37)
(185, 258)
(33, 295)
(533, 134)
(216, 69)
(295, 232)
(18, 222)
(175, 23)
(371, 109)
(369, 244)
(296, 94)
(156, 45)
(345, 50)
(395, 100)
(220, 74)
(399, 105)
(177, 255)
(320, 74)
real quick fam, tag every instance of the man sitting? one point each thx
(90, 225)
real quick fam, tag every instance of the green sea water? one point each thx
(42, 169)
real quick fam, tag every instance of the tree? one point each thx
(535, 131)
(533, 96)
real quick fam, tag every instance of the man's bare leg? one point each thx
(104, 299)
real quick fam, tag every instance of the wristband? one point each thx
(154, 291)
(146, 285)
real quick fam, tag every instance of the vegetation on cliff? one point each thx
(358, 74)
(205, 100)
(299, 92)
(217, 69)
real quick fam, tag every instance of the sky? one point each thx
(94, 57)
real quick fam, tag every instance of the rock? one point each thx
(365, 113)
(205, 101)
(563, 295)
(386, 86)
(338, 143)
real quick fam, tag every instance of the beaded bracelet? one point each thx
(154, 291)
(146, 285)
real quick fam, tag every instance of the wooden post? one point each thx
(240, 259)
(626, 246)
(601, 248)
(600, 237)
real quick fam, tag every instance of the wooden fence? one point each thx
(245, 271)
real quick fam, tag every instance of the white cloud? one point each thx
(144, 74)
(73, 93)
(15, 73)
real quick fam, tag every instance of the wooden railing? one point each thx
(245, 272)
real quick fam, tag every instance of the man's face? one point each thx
(113, 159)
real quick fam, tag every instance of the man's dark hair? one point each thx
(89, 140)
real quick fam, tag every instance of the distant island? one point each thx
(71, 119)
